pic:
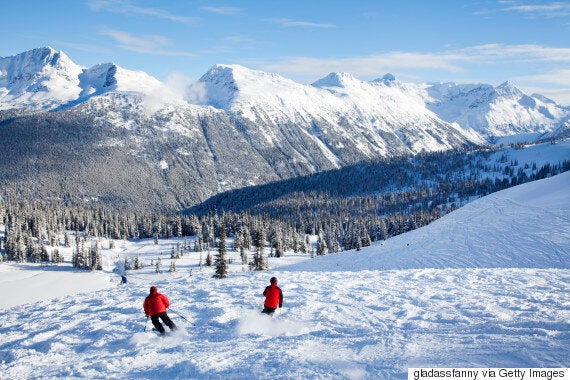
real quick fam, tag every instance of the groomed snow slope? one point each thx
(522, 227)
(485, 286)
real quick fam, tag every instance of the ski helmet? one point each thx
(273, 280)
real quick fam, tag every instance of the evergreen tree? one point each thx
(321, 247)
(209, 259)
(96, 261)
(137, 263)
(127, 265)
(158, 265)
(259, 262)
(44, 255)
(56, 257)
(221, 265)
(198, 244)
(66, 240)
(172, 266)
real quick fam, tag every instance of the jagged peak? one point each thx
(38, 58)
(233, 73)
(388, 79)
(336, 79)
(508, 88)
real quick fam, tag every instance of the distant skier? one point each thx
(273, 297)
(155, 306)
(123, 279)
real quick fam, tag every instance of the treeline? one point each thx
(346, 209)
(350, 207)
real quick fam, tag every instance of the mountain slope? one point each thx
(380, 313)
(495, 111)
(39, 78)
(132, 142)
(522, 227)
(341, 118)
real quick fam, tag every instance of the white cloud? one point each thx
(558, 78)
(176, 89)
(528, 52)
(148, 44)
(297, 23)
(226, 11)
(554, 84)
(453, 61)
(551, 10)
(128, 8)
(465, 61)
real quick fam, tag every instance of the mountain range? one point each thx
(124, 138)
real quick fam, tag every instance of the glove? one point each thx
(148, 316)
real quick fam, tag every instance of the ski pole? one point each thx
(146, 323)
(180, 315)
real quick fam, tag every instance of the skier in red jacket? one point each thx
(155, 305)
(273, 297)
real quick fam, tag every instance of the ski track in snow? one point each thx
(485, 286)
(378, 323)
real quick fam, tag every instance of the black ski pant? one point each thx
(268, 310)
(157, 325)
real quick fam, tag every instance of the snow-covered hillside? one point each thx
(43, 79)
(485, 286)
(420, 114)
(495, 111)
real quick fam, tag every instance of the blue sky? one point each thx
(481, 41)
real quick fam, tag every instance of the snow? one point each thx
(500, 111)
(426, 117)
(487, 285)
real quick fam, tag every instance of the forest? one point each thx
(346, 209)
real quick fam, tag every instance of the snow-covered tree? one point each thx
(258, 262)
(220, 263)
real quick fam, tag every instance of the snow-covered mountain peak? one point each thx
(44, 78)
(336, 79)
(507, 89)
(36, 61)
(39, 78)
(110, 77)
(226, 84)
(499, 111)
(388, 79)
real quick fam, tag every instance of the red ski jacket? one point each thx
(155, 303)
(273, 296)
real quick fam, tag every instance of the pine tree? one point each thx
(259, 262)
(172, 266)
(158, 265)
(221, 265)
(321, 247)
(66, 240)
(96, 261)
(137, 263)
(44, 255)
(56, 257)
(209, 259)
(127, 264)
(198, 244)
